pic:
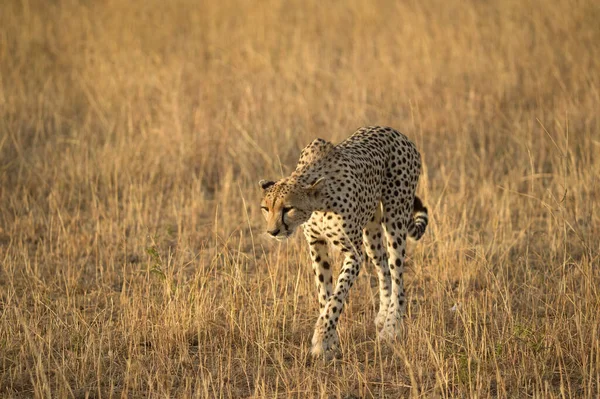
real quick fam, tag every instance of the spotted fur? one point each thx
(361, 191)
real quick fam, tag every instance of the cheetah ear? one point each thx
(316, 187)
(264, 184)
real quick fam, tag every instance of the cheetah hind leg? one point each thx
(395, 234)
(374, 243)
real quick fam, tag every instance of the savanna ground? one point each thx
(132, 136)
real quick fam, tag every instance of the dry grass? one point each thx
(132, 135)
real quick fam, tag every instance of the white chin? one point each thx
(283, 237)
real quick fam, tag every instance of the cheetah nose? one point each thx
(274, 232)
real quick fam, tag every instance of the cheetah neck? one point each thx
(314, 201)
(308, 173)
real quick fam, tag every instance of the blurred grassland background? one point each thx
(132, 135)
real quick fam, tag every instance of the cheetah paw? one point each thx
(380, 319)
(391, 331)
(326, 345)
(388, 334)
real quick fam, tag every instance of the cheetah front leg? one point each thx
(321, 266)
(325, 339)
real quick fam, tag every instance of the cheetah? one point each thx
(361, 191)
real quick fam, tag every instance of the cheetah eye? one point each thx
(287, 209)
(264, 208)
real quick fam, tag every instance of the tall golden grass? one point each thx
(132, 135)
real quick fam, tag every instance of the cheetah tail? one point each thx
(418, 222)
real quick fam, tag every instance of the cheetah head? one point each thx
(287, 204)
